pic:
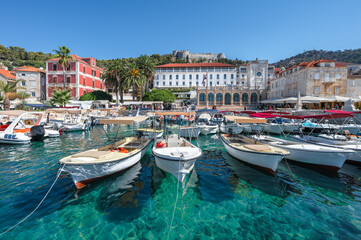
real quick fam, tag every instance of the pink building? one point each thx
(82, 76)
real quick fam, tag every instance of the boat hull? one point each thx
(178, 168)
(83, 174)
(273, 129)
(14, 139)
(269, 162)
(328, 160)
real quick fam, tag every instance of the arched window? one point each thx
(202, 97)
(227, 99)
(236, 97)
(210, 97)
(253, 98)
(219, 97)
(245, 98)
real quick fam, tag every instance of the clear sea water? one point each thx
(223, 197)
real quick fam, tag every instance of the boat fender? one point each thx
(161, 145)
(123, 150)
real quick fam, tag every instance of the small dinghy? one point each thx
(176, 156)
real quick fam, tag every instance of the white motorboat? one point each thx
(207, 129)
(217, 118)
(355, 146)
(329, 158)
(234, 128)
(176, 156)
(249, 128)
(18, 132)
(71, 120)
(273, 128)
(93, 164)
(353, 129)
(189, 132)
(254, 152)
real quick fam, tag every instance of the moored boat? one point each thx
(176, 156)
(329, 158)
(254, 152)
(93, 164)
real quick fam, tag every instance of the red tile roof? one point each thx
(183, 65)
(311, 64)
(77, 58)
(7, 74)
(29, 69)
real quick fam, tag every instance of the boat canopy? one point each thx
(170, 113)
(338, 111)
(268, 115)
(123, 120)
(279, 112)
(12, 112)
(241, 119)
(66, 111)
(329, 116)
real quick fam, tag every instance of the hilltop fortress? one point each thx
(191, 57)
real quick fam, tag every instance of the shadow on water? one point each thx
(276, 185)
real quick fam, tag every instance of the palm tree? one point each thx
(9, 90)
(147, 66)
(111, 82)
(131, 77)
(63, 53)
(117, 70)
(61, 97)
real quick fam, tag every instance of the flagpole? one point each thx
(207, 91)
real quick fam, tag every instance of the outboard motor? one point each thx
(37, 133)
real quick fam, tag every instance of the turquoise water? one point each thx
(223, 198)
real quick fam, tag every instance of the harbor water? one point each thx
(223, 198)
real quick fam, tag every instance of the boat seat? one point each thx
(257, 147)
(93, 154)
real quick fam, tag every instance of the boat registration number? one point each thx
(10, 136)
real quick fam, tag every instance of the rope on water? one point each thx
(42, 200)
(176, 200)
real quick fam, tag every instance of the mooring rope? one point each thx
(176, 200)
(42, 200)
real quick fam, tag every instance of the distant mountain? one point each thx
(349, 56)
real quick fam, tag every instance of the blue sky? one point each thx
(245, 30)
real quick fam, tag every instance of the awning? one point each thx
(169, 113)
(66, 111)
(12, 112)
(240, 119)
(123, 120)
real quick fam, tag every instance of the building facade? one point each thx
(188, 75)
(256, 74)
(321, 78)
(33, 80)
(82, 76)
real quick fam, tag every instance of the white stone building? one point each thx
(322, 78)
(33, 80)
(188, 75)
(256, 74)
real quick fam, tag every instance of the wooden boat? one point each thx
(250, 150)
(254, 152)
(93, 164)
(329, 158)
(176, 156)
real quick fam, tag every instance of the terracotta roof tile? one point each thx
(183, 65)
(29, 69)
(7, 74)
